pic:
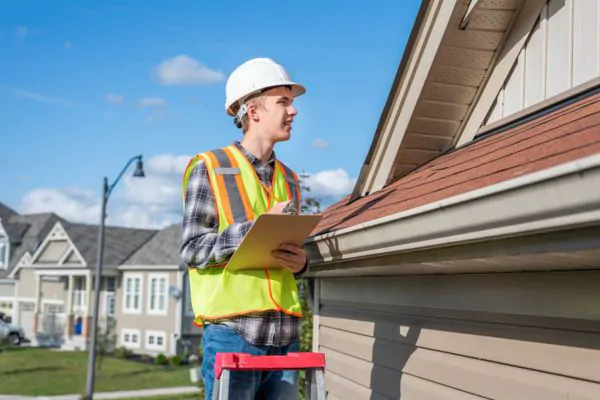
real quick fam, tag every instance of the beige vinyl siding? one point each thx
(493, 336)
(562, 52)
(7, 289)
(53, 252)
(49, 290)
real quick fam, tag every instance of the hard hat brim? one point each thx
(297, 90)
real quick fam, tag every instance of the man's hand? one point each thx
(291, 257)
(277, 208)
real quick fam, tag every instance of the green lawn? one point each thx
(34, 372)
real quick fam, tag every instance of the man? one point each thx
(225, 190)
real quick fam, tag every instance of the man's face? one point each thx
(277, 114)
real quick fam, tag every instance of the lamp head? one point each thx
(139, 168)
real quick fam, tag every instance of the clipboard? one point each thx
(266, 234)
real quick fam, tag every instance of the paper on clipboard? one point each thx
(267, 233)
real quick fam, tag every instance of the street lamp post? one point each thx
(106, 191)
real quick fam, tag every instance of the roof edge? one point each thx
(400, 74)
(482, 214)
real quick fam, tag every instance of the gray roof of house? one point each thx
(162, 249)
(26, 233)
(119, 243)
(6, 212)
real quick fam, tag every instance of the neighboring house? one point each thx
(50, 283)
(465, 263)
(19, 234)
(149, 318)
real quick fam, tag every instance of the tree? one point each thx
(310, 204)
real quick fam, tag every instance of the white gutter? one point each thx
(554, 198)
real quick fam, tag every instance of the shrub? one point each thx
(175, 360)
(161, 359)
(146, 358)
(122, 352)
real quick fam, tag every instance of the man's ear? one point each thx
(252, 111)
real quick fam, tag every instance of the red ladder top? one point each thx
(247, 362)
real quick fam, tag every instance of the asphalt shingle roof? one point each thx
(162, 249)
(26, 233)
(6, 213)
(119, 243)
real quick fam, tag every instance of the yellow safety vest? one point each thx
(240, 196)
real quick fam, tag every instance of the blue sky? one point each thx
(85, 85)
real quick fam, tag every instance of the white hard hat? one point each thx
(252, 77)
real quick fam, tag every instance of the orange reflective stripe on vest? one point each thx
(293, 187)
(229, 182)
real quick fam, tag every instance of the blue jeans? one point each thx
(247, 385)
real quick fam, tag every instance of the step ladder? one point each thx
(312, 363)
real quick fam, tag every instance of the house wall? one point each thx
(562, 52)
(492, 336)
(6, 297)
(7, 289)
(50, 290)
(143, 323)
(27, 285)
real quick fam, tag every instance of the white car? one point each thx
(13, 333)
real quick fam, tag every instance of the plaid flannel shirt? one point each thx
(203, 244)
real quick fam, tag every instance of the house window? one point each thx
(110, 284)
(156, 340)
(130, 338)
(157, 297)
(109, 304)
(6, 306)
(79, 293)
(54, 308)
(4, 250)
(132, 294)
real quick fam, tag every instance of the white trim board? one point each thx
(406, 92)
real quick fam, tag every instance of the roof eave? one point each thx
(562, 198)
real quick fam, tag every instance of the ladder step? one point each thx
(247, 362)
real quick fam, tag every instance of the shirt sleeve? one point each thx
(202, 244)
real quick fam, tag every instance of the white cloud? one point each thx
(155, 200)
(22, 31)
(114, 98)
(320, 144)
(42, 98)
(184, 70)
(330, 184)
(150, 202)
(168, 164)
(152, 102)
(74, 204)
